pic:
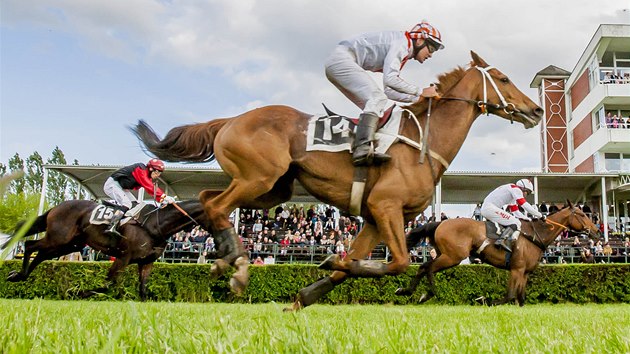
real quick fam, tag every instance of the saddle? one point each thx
(381, 121)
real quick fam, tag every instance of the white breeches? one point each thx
(354, 82)
(495, 214)
(117, 193)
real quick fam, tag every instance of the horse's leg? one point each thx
(365, 242)
(118, 266)
(516, 276)
(229, 246)
(520, 293)
(390, 221)
(30, 246)
(143, 275)
(442, 262)
(422, 271)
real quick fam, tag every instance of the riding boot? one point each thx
(363, 147)
(507, 238)
(112, 230)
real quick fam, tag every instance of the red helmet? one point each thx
(156, 164)
(425, 30)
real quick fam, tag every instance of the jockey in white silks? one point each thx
(511, 195)
(387, 52)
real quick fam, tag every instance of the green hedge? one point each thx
(601, 283)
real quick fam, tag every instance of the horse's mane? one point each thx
(445, 83)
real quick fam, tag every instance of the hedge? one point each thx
(576, 283)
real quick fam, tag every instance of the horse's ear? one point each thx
(569, 203)
(477, 60)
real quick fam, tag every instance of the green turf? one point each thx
(43, 326)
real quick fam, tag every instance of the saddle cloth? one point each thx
(103, 213)
(334, 133)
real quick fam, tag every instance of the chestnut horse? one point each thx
(68, 229)
(264, 151)
(456, 239)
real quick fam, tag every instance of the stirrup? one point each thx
(369, 157)
(503, 243)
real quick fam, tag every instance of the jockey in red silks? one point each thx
(511, 195)
(387, 52)
(119, 184)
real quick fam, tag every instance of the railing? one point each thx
(313, 254)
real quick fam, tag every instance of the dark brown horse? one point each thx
(264, 151)
(456, 239)
(68, 229)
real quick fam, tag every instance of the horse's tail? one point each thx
(39, 225)
(191, 143)
(426, 230)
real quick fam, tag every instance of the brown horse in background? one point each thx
(264, 151)
(456, 239)
(68, 229)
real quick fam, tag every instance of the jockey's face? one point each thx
(426, 52)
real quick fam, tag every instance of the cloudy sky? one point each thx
(76, 74)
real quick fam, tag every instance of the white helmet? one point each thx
(525, 184)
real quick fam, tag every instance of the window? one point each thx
(613, 161)
(625, 162)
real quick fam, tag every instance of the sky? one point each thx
(77, 74)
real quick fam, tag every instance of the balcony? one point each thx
(605, 139)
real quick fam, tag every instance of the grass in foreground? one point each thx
(42, 326)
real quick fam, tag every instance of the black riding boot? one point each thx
(112, 230)
(507, 238)
(363, 147)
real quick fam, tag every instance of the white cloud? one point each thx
(273, 51)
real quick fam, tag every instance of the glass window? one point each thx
(625, 163)
(613, 161)
(622, 55)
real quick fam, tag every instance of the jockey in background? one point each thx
(511, 195)
(385, 52)
(119, 184)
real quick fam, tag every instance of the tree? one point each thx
(3, 169)
(57, 182)
(16, 164)
(34, 173)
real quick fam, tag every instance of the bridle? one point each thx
(508, 107)
(554, 224)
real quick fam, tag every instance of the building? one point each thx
(586, 128)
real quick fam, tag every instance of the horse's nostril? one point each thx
(539, 112)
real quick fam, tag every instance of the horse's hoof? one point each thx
(15, 276)
(330, 262)
(239, 284)
(424, 298)
(240, 278)
(219, 267)
(296, 306)
(403, 292)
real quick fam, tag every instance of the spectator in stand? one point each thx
(433, 253)
(615, 122)
(587, 256)
(608, 78)
(543, 208)
(443, 216)
(259, 261)
(477, 212)
(599, 248)
(608, 251)
(258, 226)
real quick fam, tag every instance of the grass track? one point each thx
(43, 326)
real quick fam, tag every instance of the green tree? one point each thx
(74, 186)
(14, 208)
(16, 164)
(57, 182)
(3, 169)
(34, 173)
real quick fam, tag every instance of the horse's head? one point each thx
(576, 220)
(499, 96)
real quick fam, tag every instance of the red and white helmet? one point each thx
(525, 184)
(426, 31)
(156, 164)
